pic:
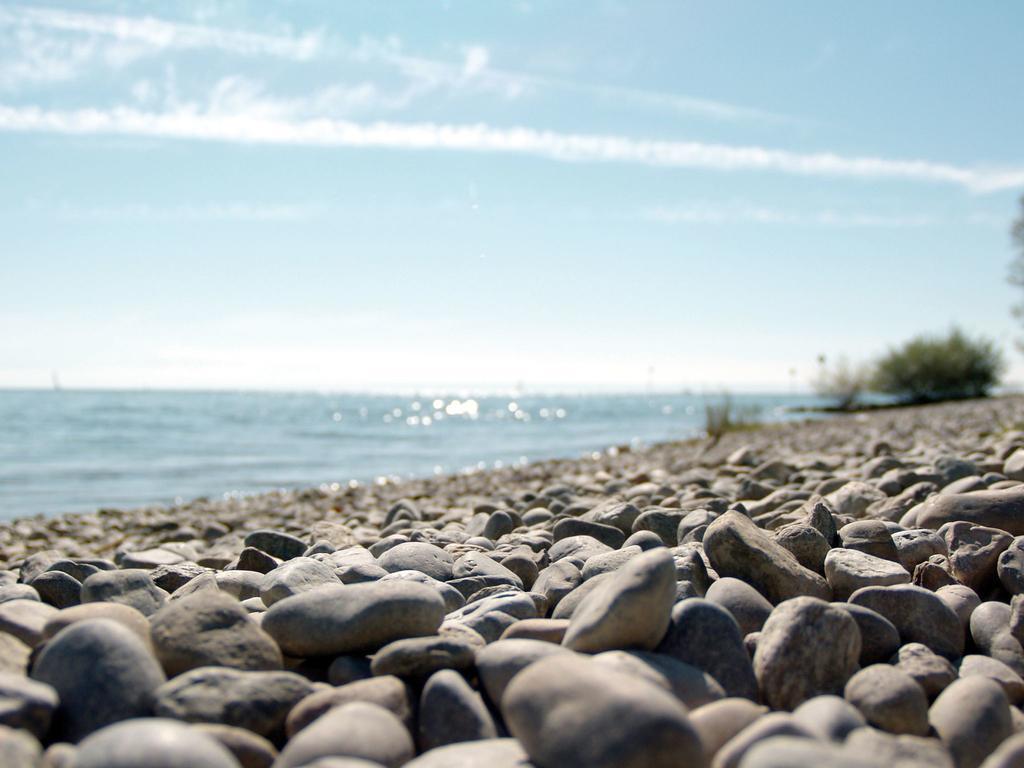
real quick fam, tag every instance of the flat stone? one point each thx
(330, 621)
(707, 637)
(492, 753)
(298, 575)
(573, 711)
(25, 619)
(847, 570)
(736, 547)
(102, 672)
(152, 743)
(789, 751)
(1002, 509)
(281, 545)
(830, 718)
(26, 703)
(210, 629)
(388, 692)
(14, 655)
(418, 556)
(132, 587)
(889, 699)
(902, 751)
(918, 615)
(453, 599)
(475, 564)
(629, 610)
(733, 752)
(356, 730)
(548, 630)
(420, 657)
(125, 615)
(256, 701)
(171, 577)
(150, 558)
(718, 722)
(451, 711)
(10, 592)
(809, 635)
(693, 687)
(250, 750)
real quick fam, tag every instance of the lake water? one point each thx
(67, 451)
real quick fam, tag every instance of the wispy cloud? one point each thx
(159, 34)
(254, 127)
(225, 211)
(705, 213)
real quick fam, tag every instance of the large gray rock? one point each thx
(418, 556)
(718, 722)
(25, 619)
(847, 570)
(278, 544)
(890, 699)
(330, 621)
(976, 665)
(796, 752)
(692, 686)
(1002, 509)
(256, 701)
(973, 553)
(879, 639)
(102, 673)
(734, 751)
(499, 662)
(298, 575)
(706, 636)
(250, 750)
(972, 718)
(918, 615)
(1010, 567)
(132, 586)
(26, 703)
(356, 730)
(388, 692)
(901, 751)
(574, 711)
(152, 743)
(809, 635)
(210, 629)
(931, 671)
(736, 547)
(417, 658)
(830, 718)
(14, 655)
(19, 749)
(125, 615)
(629, 610)
(742, 601)
(492, 753)
(451, 711)
(475, 564)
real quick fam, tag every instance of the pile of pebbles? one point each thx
(844, 593)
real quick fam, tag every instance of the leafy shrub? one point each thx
(843, 383)
(724, 416)
(930, 368)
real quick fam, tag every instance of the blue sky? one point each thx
(571, 195)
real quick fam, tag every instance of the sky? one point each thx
(591, 195)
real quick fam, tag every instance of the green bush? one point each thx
(842, 383)
(930, 368)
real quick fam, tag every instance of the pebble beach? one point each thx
(844, 592)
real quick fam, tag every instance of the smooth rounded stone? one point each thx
(629, 610)
(348, 669)
(152, 742)
(577, 549)
(492, 753)
(1009, 754)
(208, 582)
(744, 603)
(359, 573)
(19, 749)
(356, 729)
(798, 752)
(973, 553)
(26, 703)
(645, 540)
(829, 718)
(733, 752)
(693, 687)
(14, 655)
(1000, 509)
(256, 701)
(879, 639)
(252, 559)
(451, 712)
(716, 723)
(918, 615)
(990, 630)
(335, 620)
(58, 589)
(1009, 567)
(847, 570)
(558, 580)
(420, 657)
(123, 614)
(972, 718)
(250, 750)
(889, 699)
(342, 762)
(79, 570)
(736, 547)
(962, 600)
(606, 534)
(150, 558)
(499, 523)
(609, 561)
(418, 556)
(902, 751)
(18, 592)
(475, 564)
(59, 755)
(132, 587)
(706, 636)
(297, 575)
(1016, 626)
(453, 599)
(574, 711)
(984, 666)
(932, 672)
(172, 577)
(806, 544)
(102, 672)
(278, 544)
(871, 537)
(854, 498)
(524, 566)
(210, 629)
(500, 661)
(917, 545)
(568, 604)
(388, 692)
(663, 522)
(809, 635)
(25, 619)
(548, 630)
